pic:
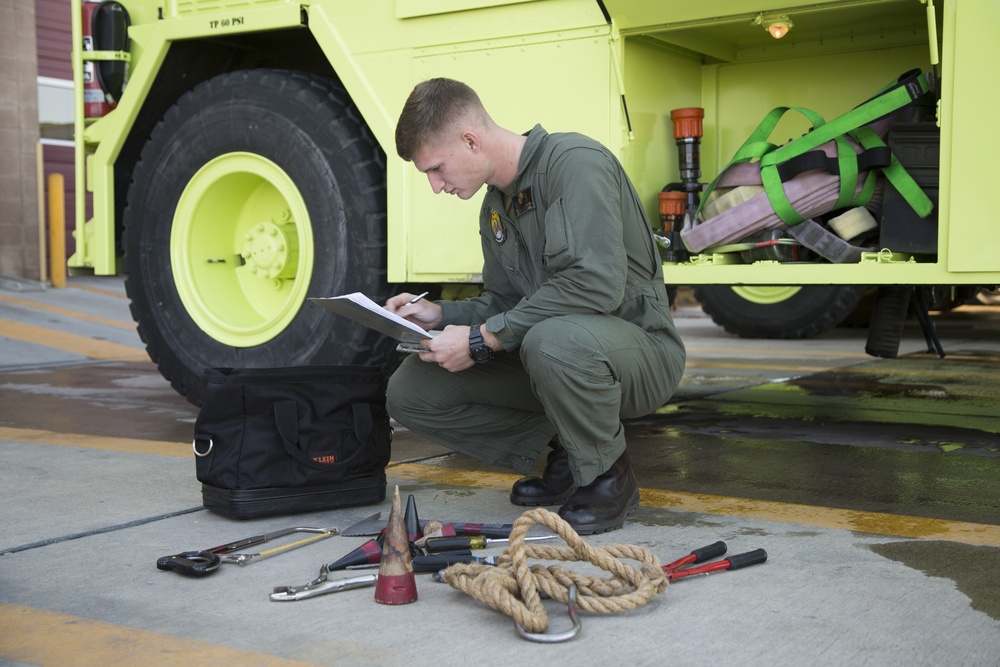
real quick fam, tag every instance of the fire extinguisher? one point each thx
(105, 28)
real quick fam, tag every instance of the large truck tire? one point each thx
(257, 190)
(778, 312)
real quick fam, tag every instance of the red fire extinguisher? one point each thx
(105, 28)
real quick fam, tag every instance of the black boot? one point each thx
(603, 504)
(552, 488)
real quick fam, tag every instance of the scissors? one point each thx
(204, 563)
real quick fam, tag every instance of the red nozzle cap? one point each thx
(672, 203)
(396, 589)
(687, 122)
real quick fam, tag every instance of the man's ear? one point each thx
(471, 141)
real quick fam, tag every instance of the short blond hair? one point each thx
(432, 106)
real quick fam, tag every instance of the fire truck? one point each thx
(236, 157)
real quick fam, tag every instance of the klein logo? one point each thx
(325, 459)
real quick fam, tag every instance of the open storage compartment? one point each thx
(721, 56)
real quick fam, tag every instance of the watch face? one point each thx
(481, 354)
(478, 350)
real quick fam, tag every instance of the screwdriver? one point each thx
(435, 562)
(439, 544)
(499, 530)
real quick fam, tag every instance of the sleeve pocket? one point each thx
(558, 252)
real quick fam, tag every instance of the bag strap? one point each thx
(363, 422)
(286, 420)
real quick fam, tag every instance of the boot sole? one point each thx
(613, 524)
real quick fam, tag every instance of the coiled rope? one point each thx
(514, 588)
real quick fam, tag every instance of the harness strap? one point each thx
(826, 244)
(872, 158)
(906, 89)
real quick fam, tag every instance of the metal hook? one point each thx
(556, 637)
(194, 446)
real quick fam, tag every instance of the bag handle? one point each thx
(286, 419)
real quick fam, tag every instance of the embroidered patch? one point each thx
(523, 202)
(497, 226)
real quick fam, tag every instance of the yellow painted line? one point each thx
(792, 351)
(880, 523)
(98, 290)
(67, 312)
(68, 342)
(806, 515)
(876, 369)
(52, 639)
(904, 372)
(763, 367)
(132, 445)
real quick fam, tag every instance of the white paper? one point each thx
(361, 309)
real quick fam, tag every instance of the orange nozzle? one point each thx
(672, 203)
(687, 122)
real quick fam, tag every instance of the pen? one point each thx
(417, 298)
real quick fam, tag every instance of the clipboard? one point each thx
(363, 310)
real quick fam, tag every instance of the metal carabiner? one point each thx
(556, 637)
(194, 446)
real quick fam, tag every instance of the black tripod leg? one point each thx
(926, 324)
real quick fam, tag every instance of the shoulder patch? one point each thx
(497, 226)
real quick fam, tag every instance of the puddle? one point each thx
(974, 569)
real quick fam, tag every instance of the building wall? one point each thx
(19, 133)
(53, 29)
(53, 32)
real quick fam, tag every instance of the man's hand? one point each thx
(425, 314)
(449, 349)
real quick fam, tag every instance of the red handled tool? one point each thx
(680, 567)
(698, 556)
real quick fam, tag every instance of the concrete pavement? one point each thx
(882, 531)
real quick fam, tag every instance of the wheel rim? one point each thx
(241, 249)
(767, 294)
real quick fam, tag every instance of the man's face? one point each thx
(453, 164)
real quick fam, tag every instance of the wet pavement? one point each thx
(873, 484)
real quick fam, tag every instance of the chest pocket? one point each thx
(503, 241)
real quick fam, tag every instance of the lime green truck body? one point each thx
(613, 70)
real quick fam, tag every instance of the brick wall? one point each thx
(19, 253)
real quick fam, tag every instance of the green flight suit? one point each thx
(573, 289)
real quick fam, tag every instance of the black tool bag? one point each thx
(274, 441)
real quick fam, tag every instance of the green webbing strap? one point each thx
(897, 175)
(757, 145)
(901, 92)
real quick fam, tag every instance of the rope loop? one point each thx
(515, 588)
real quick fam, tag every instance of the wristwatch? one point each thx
(478, 350)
